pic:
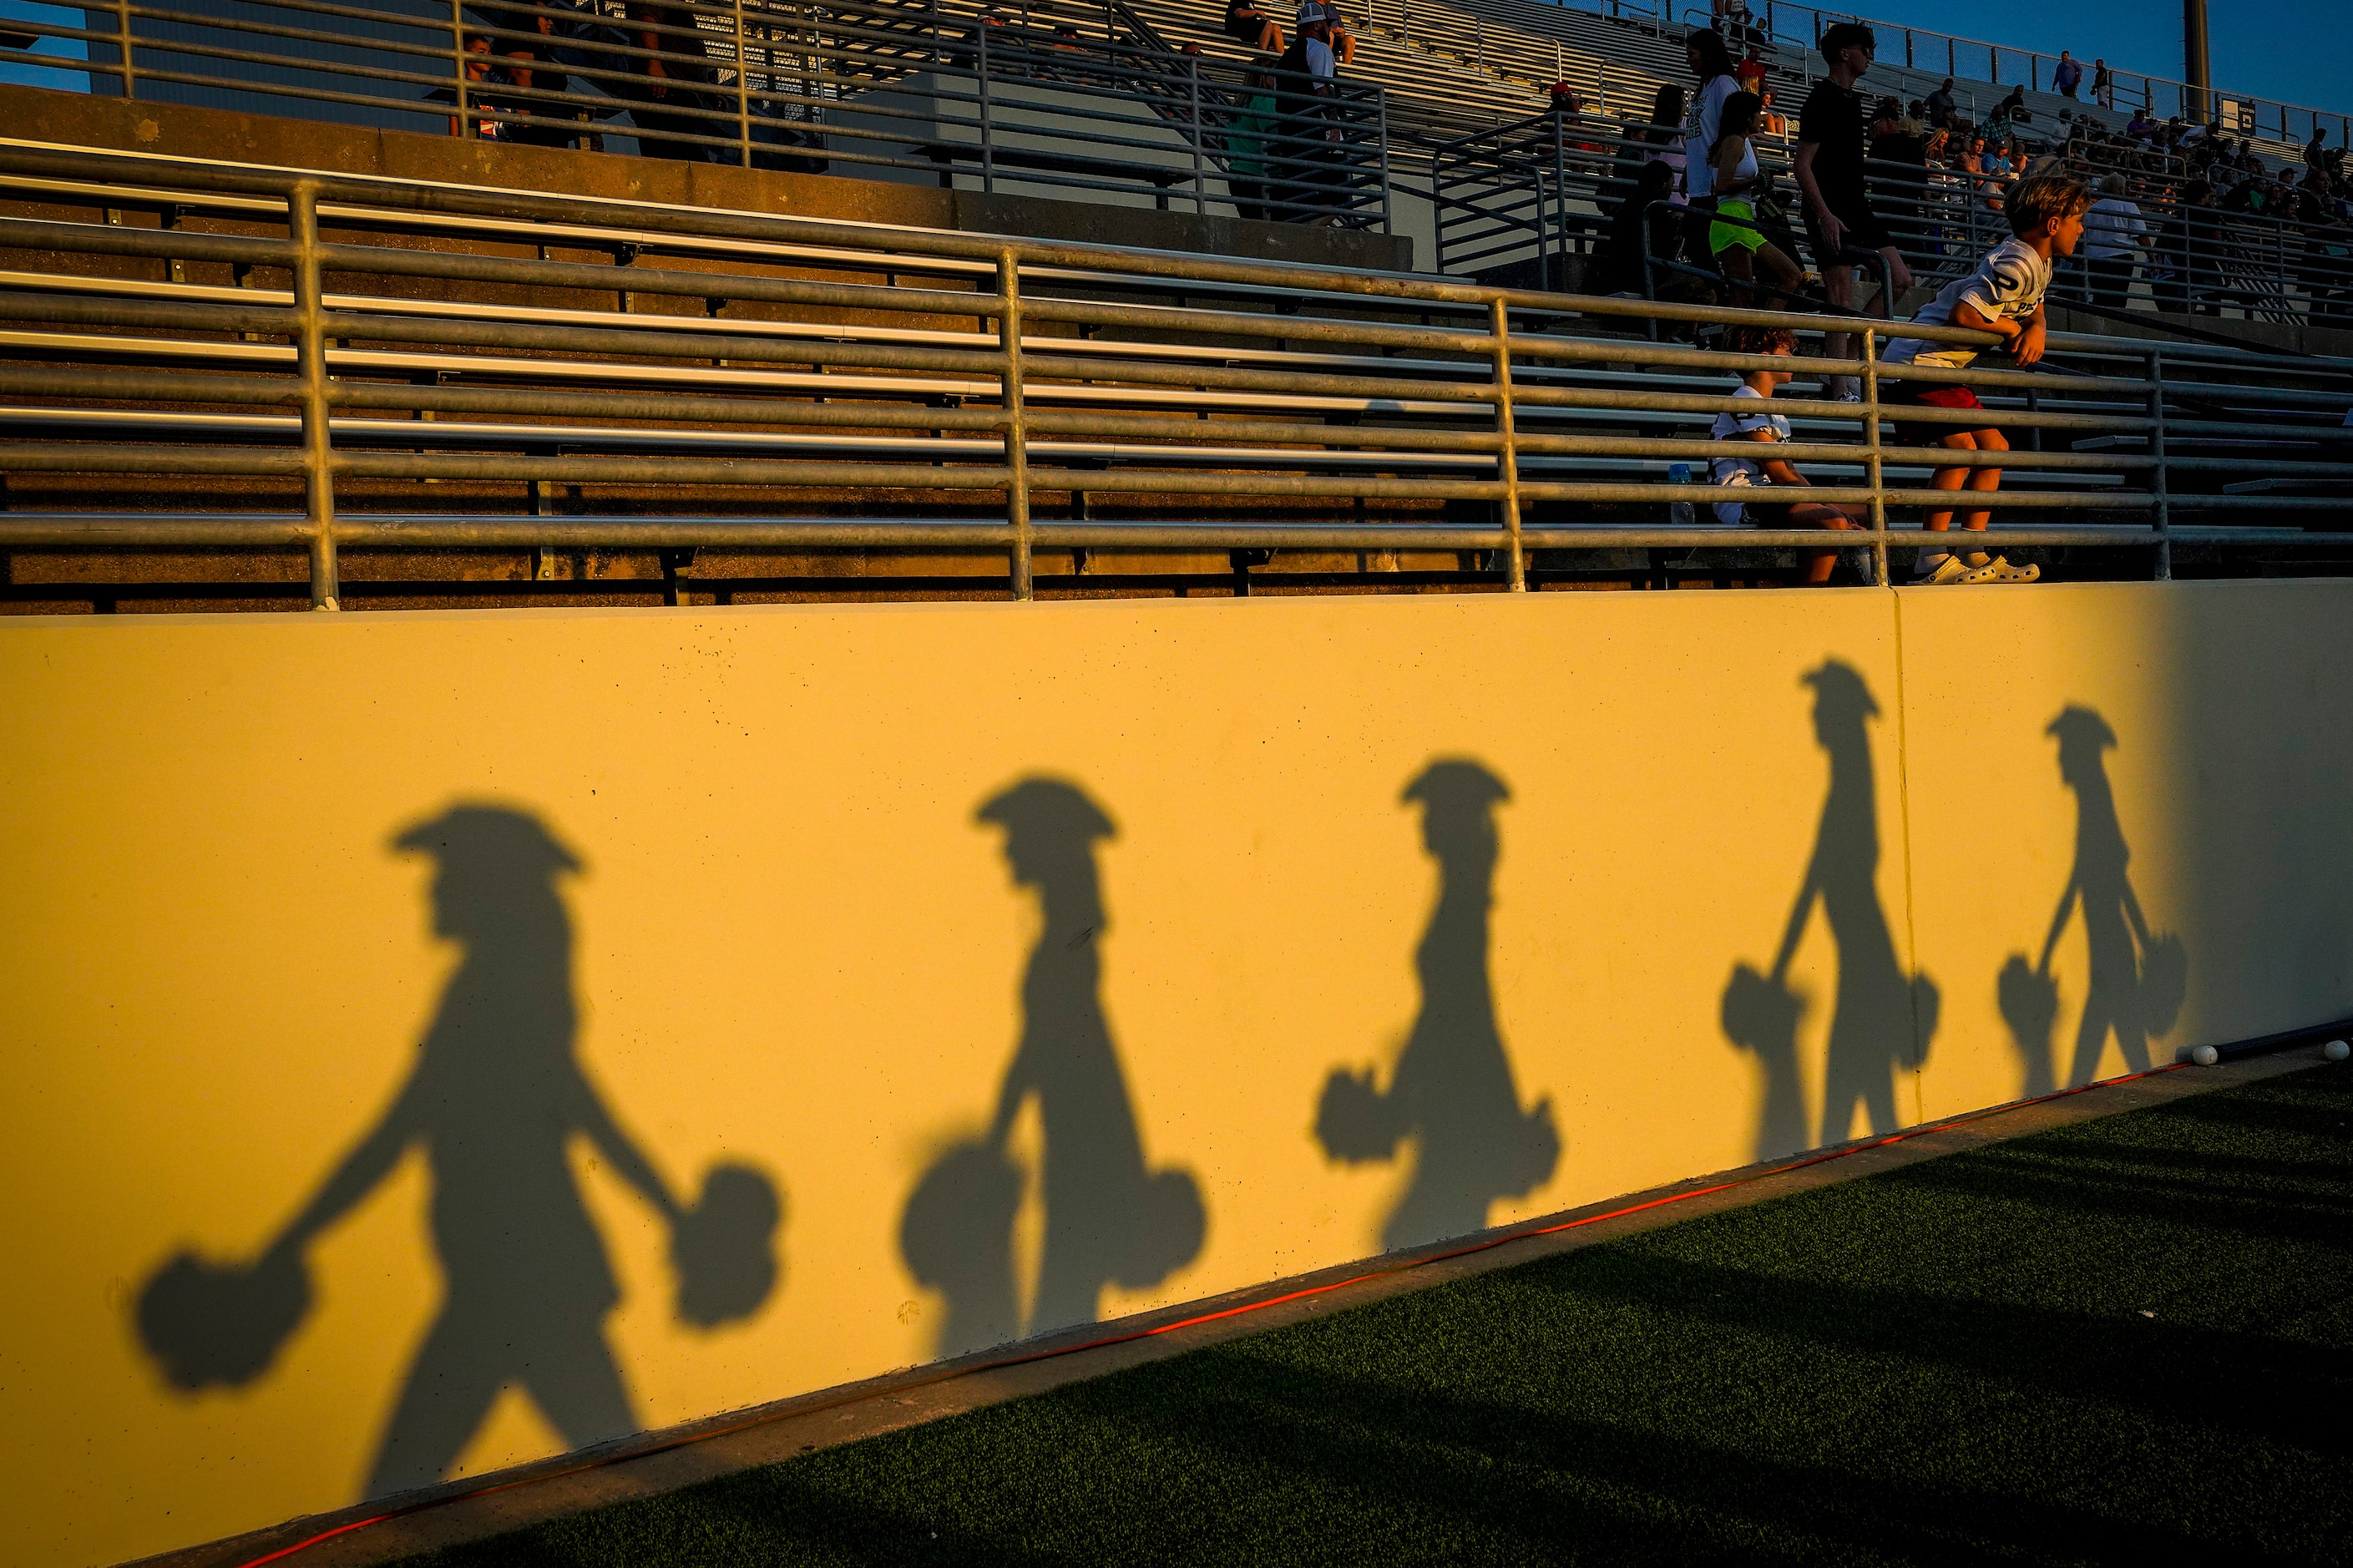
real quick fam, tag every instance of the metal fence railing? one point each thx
(1551, 185)
(1083, 102)
(252, 337)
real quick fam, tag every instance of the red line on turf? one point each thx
(1906, 1135)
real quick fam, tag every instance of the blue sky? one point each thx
(2295, 51)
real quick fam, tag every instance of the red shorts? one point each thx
(1906, 393)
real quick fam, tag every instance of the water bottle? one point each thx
(1679, 512)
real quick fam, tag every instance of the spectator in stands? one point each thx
(2142, 126)
(1736, 238)
(1562, 99)
(2011, 110)
(1653, 140)
(1631, 222)
(486, 75)
(1771, 121)
(2112, 232)
(669, 91)
(2328, 272)
(1249, 25)
(1905, 175)
(1830, 164)
(1246, 156)
(1743, 468)
(2067, 76)
(528, 49)
(1308, 175)
(1940, 105)
(2315, 152)
(1750, 73)
(2104, 86)
(2004, 296)
(1915, 120)
(1711, 62)
(1343, 41)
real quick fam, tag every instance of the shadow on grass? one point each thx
(1889, 1370)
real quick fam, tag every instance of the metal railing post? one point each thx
(743, 90)
(2160, 509)
(1500, 332)
(1201, 133)
(1017, 431)
(311, 355)
(1871, 459)
(457, 80)
(988, 135)
(1381, 126)
(122, 46)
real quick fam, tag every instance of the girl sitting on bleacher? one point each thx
(1742, 467)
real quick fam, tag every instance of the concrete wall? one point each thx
(1040, 962)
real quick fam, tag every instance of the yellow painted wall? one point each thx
(796, 948)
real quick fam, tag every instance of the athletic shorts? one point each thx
(1931, 394)
(1863, 232)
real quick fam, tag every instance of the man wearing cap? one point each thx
(1303, 90)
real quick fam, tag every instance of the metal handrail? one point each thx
(778, 84)
(1479, 388)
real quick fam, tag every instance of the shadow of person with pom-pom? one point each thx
(2137, 979)
(495, 1099)
(1881, 1020)
(1110, 1218)
(1451, 1092)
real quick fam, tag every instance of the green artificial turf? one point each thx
(1951, 1363)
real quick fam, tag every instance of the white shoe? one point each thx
(1951, 569)
(2000, 570)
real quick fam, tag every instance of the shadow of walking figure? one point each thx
(1878, 1012)
(1109, 1219)
(2137, 979)
(1451, 1092)
(495, 1098)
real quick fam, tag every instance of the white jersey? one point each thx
(1739, 432)
(2008, 285)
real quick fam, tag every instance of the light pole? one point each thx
(2199, 109)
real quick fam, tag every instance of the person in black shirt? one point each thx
(1839, 219)
(1631, 224)
(1907, 187)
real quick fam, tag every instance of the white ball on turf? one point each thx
(2205, 1055)
(2337, 1050)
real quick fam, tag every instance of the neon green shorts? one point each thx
(1724, 236)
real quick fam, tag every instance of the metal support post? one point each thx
(1871, 456)
(458, 81)
(743, 90)
(1198, 131)
(1499, 333)
(1381, 113)
(123, 44)
(310, 354)
(2160, 509)
(1017, 434)
(988, 135)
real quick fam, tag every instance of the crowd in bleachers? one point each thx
(2188, 220)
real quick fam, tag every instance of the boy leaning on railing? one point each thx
(2003, 296)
